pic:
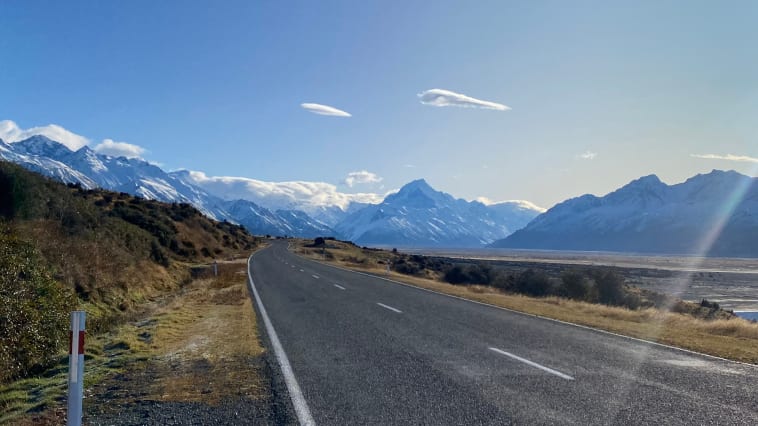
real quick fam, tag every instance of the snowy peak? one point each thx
(418, 185)
(713, 185)
(417, 188)
(645, 192)
(42, 146)
(418, 215)
(645, 184)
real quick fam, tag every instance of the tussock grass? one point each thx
(733, 338)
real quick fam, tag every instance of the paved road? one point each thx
(367, 351)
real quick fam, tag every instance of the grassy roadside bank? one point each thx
(735, 338)
(200, 345)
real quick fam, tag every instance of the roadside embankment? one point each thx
(195, 358)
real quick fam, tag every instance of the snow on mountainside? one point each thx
(281, 222)
(25, 157)
(710, 214)
(420, 216)
(415, 216)
(138, 177)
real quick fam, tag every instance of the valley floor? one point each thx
(731, 282)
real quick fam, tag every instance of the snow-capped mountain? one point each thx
(709, 214)
(138, 177)
(420, 216)
(43, 164)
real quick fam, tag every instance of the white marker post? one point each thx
(76, 368)
(215, 268)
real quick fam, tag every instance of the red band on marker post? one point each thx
(71, 340)
(76, 368)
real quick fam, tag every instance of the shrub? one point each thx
(470, 274)
(34, 311)
(575, 285)
(610, 287)
(407, 268)
(506, 282)
(157, 254)
(533, 283)
(456, 275)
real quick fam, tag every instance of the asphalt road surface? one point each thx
(364, 350)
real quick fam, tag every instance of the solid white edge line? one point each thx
(339, 286)
(586, 327)
(389, 307)
(533, 364)
(298, 400)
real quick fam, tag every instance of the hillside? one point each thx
(713, 214)
(63, 246)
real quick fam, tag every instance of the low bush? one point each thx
(534, 283)
(578, 286)
(479, 274)
(34, 311)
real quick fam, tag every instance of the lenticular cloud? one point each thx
(363, 176)
(119, 149)
(443, 98)
(325, 110)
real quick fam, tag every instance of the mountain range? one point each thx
(713, 214)
(417, 215)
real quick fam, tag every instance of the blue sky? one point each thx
(600, 92)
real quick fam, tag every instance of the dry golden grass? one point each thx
(206, 342)
(735, 339)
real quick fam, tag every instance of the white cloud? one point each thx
(484, 200)
(727, 157)
(442, 98)
(119, 149)
(524, 204)
(10, 132)
(588, 155)
(325, 110)
(281, 195)
(362, 176)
